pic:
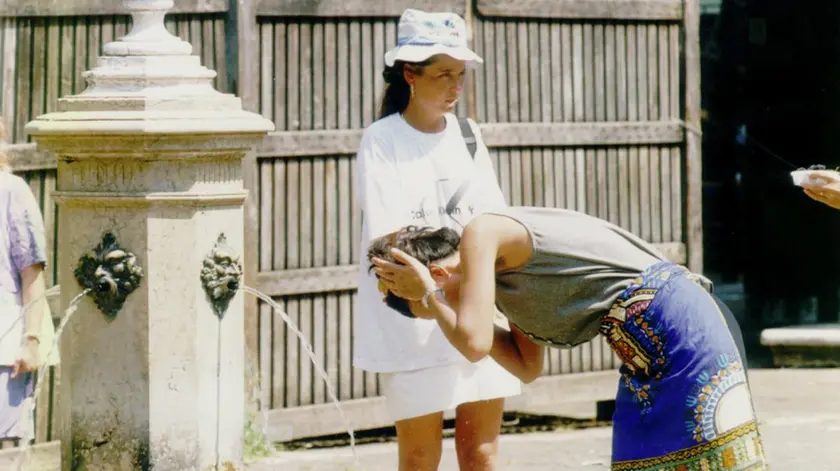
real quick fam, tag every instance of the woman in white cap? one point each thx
(421, 165)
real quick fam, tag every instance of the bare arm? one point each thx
(471, 329)
(515, 352)
(32, 289)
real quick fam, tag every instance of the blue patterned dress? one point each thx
(683, 403)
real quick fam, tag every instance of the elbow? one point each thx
(477, 351)
(529, 376)
(532, 369)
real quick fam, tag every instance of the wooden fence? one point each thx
(583, 103)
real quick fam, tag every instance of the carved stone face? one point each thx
(110, 273)
(221, 275)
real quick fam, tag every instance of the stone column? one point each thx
(151, 219)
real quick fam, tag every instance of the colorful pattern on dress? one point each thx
(736, 450)
(719, 401)
(683, 402)
(638, 342)
(636, 338)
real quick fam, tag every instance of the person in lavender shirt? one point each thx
(22, 262)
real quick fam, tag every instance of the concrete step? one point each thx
(804, 346)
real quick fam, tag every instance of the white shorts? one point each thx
(417, 393)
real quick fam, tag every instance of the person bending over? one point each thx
(561, 278)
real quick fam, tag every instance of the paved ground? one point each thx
(798, 410)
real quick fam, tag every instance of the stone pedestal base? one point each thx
(151, 155)
(159, 386)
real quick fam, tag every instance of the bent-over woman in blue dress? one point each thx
(561, 278)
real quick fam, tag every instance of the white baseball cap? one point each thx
(421, 35)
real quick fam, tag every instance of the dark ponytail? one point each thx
(397, 92)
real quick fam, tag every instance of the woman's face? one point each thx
(439, 86)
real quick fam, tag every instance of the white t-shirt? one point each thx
(407, 177)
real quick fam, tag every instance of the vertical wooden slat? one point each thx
(279, 85)
(665, 152)
(676, 157)
(654, 165)
(357, 104)
(305, 201)
(293, 78)
(366, 45)
(510, 37)
(644, 115)
(23, 80)
(68, 55)
(267, 63)
(343, 75)
(610, 114)
(557, 72)
(693, 168)
(590, 355)
(347, 373)
(344, 346)
(271, 330)
(330, 92)
(208, 56)
(94, 33)
(318, 213)
(266, 313)
(39, 74)
(600, 90)
(8, 73)
(491, 67)
(305, 72)
(503, 64)
(53, 64)
(633, 115)
(220, 54)
(293, 220)
(80, 54)
(477, 77)
(195, 36)
(282, 335)
(503, 172)
(380, 41)
(521, 73)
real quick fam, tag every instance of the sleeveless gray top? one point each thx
(579, 267)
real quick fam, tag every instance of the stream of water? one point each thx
(318, 368)
(68, 314)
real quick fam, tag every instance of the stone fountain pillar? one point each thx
(151, 219)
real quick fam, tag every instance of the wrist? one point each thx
(431, 293)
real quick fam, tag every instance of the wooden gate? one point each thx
(583, 103)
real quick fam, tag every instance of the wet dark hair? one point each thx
(426, 244)
(397, 92)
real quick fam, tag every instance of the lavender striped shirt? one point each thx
(22, 241)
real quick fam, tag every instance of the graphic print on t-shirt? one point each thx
(452, 208)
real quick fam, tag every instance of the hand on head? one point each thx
(409, 279)
(823, 186)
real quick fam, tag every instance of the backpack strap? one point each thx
(469, 136)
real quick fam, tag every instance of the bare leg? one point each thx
(420, 442)
(477, 427)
